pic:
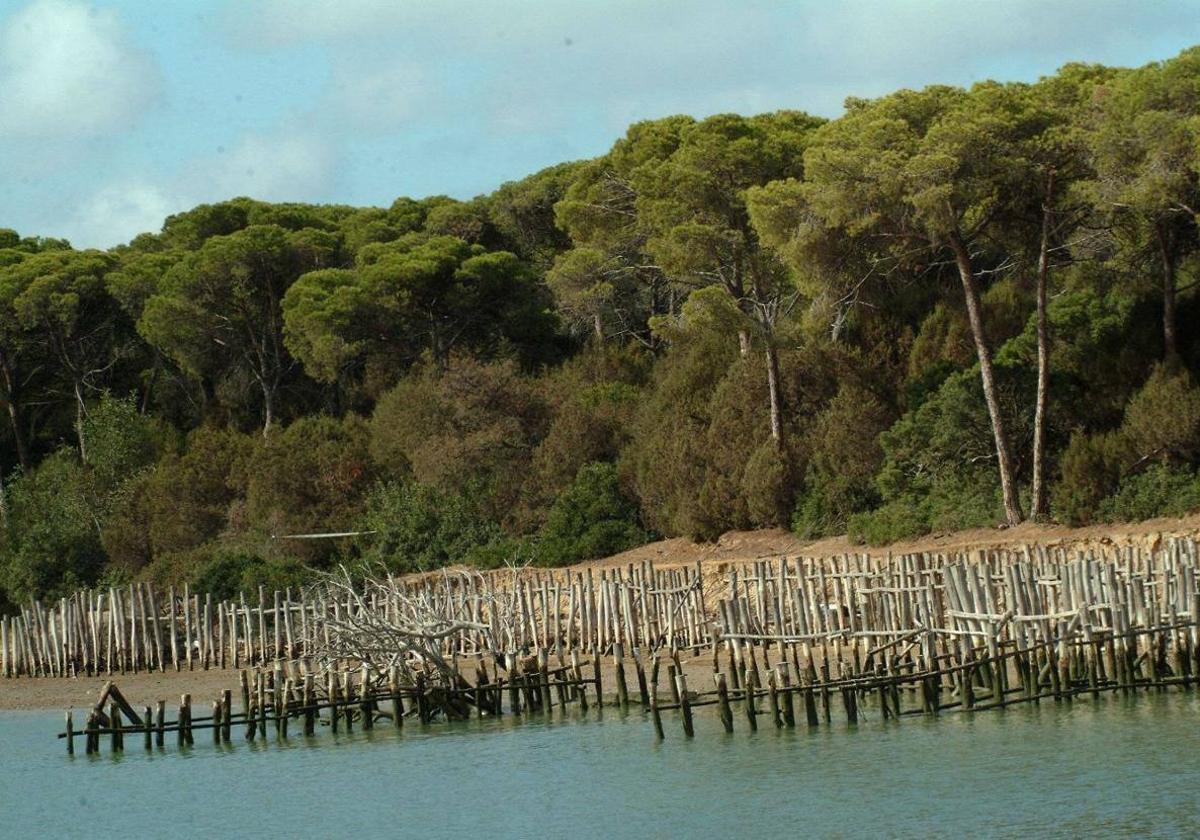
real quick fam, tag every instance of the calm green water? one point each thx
(1116, 768)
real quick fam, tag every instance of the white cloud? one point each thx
(68, 71)
(375, 96)
(276, 23)
(270, 167)
(276, 167)
(119, 212)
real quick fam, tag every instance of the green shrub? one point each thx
(899, 519)
(593, 518)
(311, 477)
(51, 546)
(1162, 419)
(1105, 475)
(844, 458)
(1159, 491)
(475, 425)
(970, 501)
(227, 571)
(418, 527)
(222, 575)
(276, 573)
(1089, 472)
(121, 441)
(938, 468)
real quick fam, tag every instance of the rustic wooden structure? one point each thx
(790, 639)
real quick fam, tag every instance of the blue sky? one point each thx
(115, 113)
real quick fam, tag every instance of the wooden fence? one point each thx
(926, 605)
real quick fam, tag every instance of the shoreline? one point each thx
(48, 694)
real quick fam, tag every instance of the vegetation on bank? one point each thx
(946, 308)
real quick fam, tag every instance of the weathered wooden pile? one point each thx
(908, 634)
(132, 628)
(343, 698)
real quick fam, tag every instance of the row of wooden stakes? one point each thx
(855, 679)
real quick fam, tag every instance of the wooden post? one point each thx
(114, 723)
(398, 701)
(773, 697)
(368, 716)
(599, 685)
(284, 711)
(92, 744)
(658, 727)
(160, 722)
(174, 639)
(423, 701)
(619, 668)
(785, 681)
(751, 712)
(70, 735)
(726, 713)
(640, 671)
(185, 720)
(331, 691)
(580, 688)
(685, 704)
(514, 695)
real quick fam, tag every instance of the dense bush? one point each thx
(417, 527)
(51, 545)
(593, 518)
(472, 428)
(845, 457)
(311, 477)
(1090, 472)
(1159, 491)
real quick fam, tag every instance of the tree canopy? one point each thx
(947, 307)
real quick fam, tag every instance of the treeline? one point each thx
(946, 308)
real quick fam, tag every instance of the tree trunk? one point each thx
(80, 412)
(1012, 505)
(773, 392)
(145, 407)
(1038, 502)
(1170, 342)
(598, 327)
(744, 342)
(14, 420)
(3, 502)
(437, 344)
(14, 414)
(268, 407)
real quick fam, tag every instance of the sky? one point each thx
(117, 113)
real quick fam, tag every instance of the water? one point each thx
(1116, 768)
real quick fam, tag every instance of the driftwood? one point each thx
(385, 625)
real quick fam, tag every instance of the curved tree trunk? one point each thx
(14, 413)
(1038, 504)
(3, 501)
(1170, 341)
(268, 408)
(773, 392)
(80, 414)
(1012, 505)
